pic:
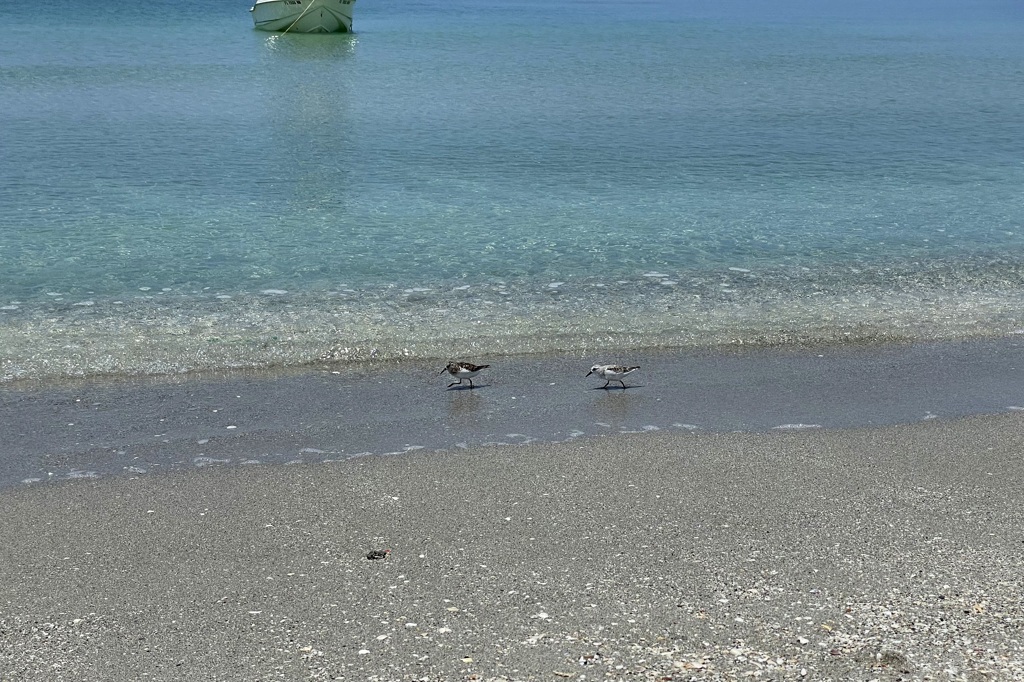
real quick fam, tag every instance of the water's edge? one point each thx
(97, 428)
(172, 332)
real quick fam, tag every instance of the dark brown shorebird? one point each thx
(378, 554)
(612, 373)
(463, 370)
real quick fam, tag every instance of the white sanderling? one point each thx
(612, 373)
(463, 370)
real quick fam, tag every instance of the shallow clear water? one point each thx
(179, 191)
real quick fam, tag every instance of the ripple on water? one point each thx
(51, 338)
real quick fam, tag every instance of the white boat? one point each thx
(303, 16)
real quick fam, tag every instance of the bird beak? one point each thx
(442, 371)
(589, 373)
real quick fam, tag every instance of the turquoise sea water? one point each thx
(472, 178)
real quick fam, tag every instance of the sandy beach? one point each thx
(889, 553)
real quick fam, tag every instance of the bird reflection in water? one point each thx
(464, 404)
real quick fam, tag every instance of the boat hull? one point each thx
(303, 16)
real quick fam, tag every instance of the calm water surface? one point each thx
(181, 192)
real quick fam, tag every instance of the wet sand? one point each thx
(889, 553)
(335, 412)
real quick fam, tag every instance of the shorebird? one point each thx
(612, 373)
(463, 370)
(378, 554)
